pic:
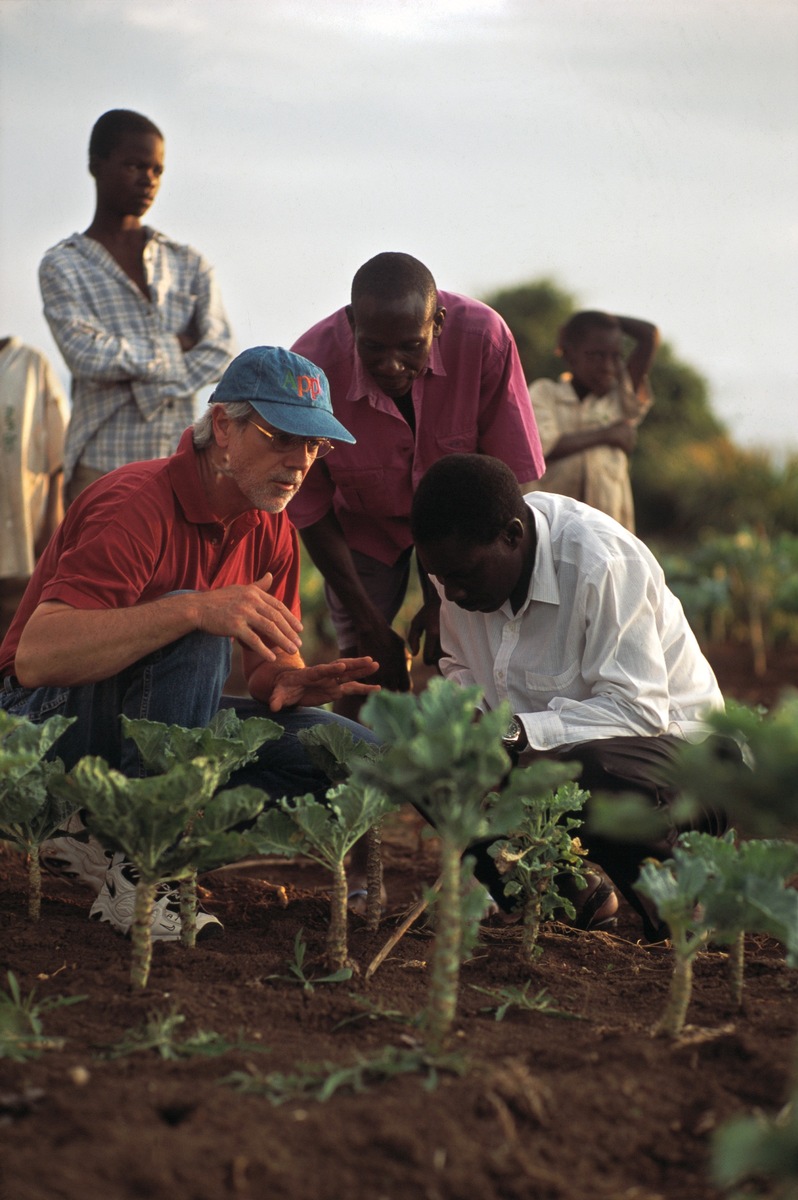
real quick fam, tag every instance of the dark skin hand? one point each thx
(427, 624)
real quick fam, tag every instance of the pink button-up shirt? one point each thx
(471, 397)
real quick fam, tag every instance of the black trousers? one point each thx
(614, 766)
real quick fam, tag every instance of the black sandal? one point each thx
(589, 902)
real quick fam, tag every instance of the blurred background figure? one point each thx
(137, 316)
(33, 419)
(588, 418)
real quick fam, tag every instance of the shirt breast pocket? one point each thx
(370, 490)
(566, 683)
(464, 441)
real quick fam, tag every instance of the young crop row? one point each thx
(740, 587)
(181, 820)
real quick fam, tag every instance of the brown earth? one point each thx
(548, 1108)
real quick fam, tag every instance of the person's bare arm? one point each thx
(622, 434)
(646, 339)
(327, 547)
(71, 646)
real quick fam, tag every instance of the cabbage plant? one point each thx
(713, 889)
(228, 741)
(168, 826)
(324, 831)
(335, 750)
(542, 848)
(448, 765)
(29, 811)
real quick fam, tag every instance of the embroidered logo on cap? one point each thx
(303, 385)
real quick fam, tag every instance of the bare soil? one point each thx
(549, 1107)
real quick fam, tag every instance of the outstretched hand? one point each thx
(322, 684)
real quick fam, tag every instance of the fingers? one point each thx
(258, 620)
(264, 584)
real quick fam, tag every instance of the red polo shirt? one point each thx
(145, 530)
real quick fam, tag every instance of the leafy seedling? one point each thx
(298, 973)
(540, 851)
(29, 812)
(167, 826)
(446, 763)
(227, 741)
(747, 892)
(760, 792)
(21, 1032)
(324, 832)
(714, 889)
(334, 750)
(673, 887)
(159, 1033)
(761, 1149)
(505, 998)
(321, 1081)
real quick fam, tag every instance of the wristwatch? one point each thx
(515, 739)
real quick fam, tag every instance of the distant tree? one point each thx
(535, 312)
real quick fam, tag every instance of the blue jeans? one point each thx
(181, 684)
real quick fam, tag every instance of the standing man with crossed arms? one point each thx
(137, 316)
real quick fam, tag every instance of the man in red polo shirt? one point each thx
(155, 569)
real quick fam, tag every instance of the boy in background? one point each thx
(588, 418)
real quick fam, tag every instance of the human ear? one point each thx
(513, 531)
(438, 317)
(221, 425)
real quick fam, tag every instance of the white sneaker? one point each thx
(116, 904)
(74, 854)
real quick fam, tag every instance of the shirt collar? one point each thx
(186, 484)
(543, 585)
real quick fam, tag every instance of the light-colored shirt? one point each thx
(33, 417)
(600, 648)
(599, 475)
(133, 387)
(470, 397)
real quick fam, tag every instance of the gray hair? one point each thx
(237, 410)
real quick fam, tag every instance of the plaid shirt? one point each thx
(132, 385)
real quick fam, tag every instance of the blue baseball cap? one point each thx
(287, 390)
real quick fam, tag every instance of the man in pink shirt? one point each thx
(416, 374)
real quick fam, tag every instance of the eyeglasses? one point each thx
(283, 442)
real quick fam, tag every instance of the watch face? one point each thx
(514, 731)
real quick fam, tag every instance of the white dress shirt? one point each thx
(600, 648)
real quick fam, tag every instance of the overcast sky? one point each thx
(642, 153)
